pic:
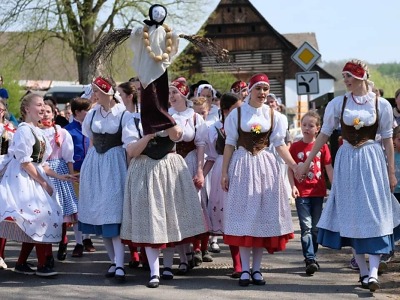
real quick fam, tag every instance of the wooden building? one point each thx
(254, 45)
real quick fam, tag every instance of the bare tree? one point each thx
(81, 23)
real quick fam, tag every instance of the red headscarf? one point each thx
(258, 79)
(355, 70)
(104, 86)
(182, 88)
(238, 86)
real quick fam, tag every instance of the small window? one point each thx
(266, 58)
(253, 28)
(219, 29)
(240, 10)
(232, 58)
(228, 9)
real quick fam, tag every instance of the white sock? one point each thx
(374, 261)
(168, 257)
(85, 236)
(78, 234)
(182, 254)
(214, 239)
(257, 257)
(119, 252)
(362, 264)
(108, 244)
(245, 258)
(154, 263)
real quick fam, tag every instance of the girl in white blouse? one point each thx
(257, 213)
(103, 172)
(361, 211)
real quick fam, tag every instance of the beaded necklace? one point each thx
(168, 43)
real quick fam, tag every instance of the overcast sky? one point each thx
(364, 29)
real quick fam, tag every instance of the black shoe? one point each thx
(257, 281)
(110, 274)
(167, 276)
(133, 264)
(154, 284)
(50, 261)
(119, 278)
(24, 269)
(373, 284)
(364, 282)
(88, 245)
(235, 274)
(183, 271)
(78, 251)
(244, 282)
(311, 266)
(45, 272)
(62, 251)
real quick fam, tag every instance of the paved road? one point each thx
(82, 278)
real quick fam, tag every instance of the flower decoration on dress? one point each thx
(256, 128)
(358, 123)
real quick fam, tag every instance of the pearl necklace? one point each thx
(168, 44)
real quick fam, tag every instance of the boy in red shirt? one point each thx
(310, 191)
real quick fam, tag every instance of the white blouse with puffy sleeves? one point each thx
(361, 107)
(255, 116)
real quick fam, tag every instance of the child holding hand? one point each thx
(310, 191)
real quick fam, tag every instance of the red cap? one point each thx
(103, 85)
(182, 88)
(355, 70)
(238, 86)
(258, 79)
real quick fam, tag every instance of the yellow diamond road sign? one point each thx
(306, 56)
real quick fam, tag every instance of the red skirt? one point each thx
(189, 240)
(272, 244)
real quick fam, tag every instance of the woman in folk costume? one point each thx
(161, 205)
(361, 211)
(103, 173)
(29, 210)
(61, 161)
(192, 148)
(216, 199)
(7, 131)
(257, 213)
(130, 96)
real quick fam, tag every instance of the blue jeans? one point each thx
(309, 211)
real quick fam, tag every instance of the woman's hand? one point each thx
(392, 182)
(198, 180)
(295, 192)
(225, 182)
(69, 177)
(301, 171)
